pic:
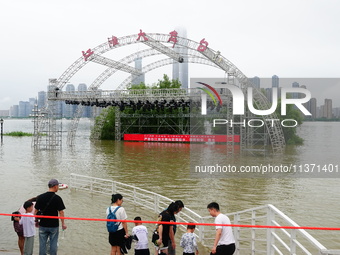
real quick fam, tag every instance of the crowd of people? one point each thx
(163, 237)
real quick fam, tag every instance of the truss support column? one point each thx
(71, 135)
(35, 116)
(118, 135)
(181, 122)
(230, 128)
(54, 135)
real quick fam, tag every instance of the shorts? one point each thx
(21, 233)
(225, 249)
(142, 252)
(166, 241)
(171, 251)
(117, 238)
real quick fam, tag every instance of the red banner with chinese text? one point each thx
(182, 138)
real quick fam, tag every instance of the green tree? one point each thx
(148, 123)
(290, 132)
(138, 86)
(167, 84)
(108, 128)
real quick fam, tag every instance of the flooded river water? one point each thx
(165, 168)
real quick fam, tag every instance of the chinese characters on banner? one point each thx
(113, 41)
(203, 45)
(142, 34)
(87, 54)
(173, 38)
(182, 138)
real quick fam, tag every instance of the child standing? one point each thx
(19, 230)
(28, 224)
(140, 234)
(188, 241)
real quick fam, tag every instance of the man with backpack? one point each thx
(118, 231)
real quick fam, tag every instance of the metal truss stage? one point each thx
(176, 50)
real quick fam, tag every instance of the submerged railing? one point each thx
(249, 240)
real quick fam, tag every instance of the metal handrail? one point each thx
(267, 240)
(142, 197)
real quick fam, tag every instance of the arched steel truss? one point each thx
(158, 39)
(198, 51)
(110, 71)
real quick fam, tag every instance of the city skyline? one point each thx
(24, 108)
(306, 45)
(318, 108)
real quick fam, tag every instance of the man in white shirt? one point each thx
(224, 243)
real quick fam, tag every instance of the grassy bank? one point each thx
(18, 133)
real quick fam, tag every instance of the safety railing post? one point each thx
(237, 232)
(293, 241)
(156, 205)
(253, 234)
(114, 188)
(134, 196)
(72, 181)
(270, 237)
(201, 231)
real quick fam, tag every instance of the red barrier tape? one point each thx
(174, 223)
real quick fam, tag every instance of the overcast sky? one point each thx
(292, 38)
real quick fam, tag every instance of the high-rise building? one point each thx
(275, 81)
(41, 99)
(14, 111)
(256, 81)
(70, 108)
(24, 109)
(327, 109)
(336, 112)
(180, 71)
(300, 94)
(32, 102)
(295, 85)
(275, 84)
(320, 111)
(313, 108)
(269, 95)
(4, 113)
(138, 79)
(87, 109)
(82, 87)
(307, 105)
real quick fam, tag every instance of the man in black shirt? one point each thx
(50, 204)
